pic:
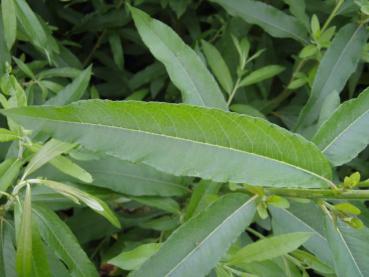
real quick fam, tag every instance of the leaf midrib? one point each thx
(276, 26)
(248, 202)
(333, 70)
(191, 141)
(344, 130)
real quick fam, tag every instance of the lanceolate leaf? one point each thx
(183, 65)
(303, 218)
(195, 247)
(272, 20)
(24, 238)
(349, 248)
(337, 65)
(74, 91)
(9, 21)
(63, 242)
(185, 140)
(269, 248)
(346, 132)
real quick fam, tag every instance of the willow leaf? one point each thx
(346, 133)
(195, 247)
(64, 243)
(303, 218)
(272, 20)
(336, 66)
(349, 248)
(185, 68)
(185, 141)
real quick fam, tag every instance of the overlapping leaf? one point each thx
(185, 140)
(346, 132)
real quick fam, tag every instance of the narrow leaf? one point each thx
(24, 238)
(349, 248)
(336, 66)
(74, 91)
(238, 148)
(133, 259)
(9, 21)
(272, 20)
(49, 151)
(346, 133)
(64, 243)
(7, 135)
(183, 65)
(269, 248)
(195, 247)
(218, 66)
(261, 74)
(91, 201)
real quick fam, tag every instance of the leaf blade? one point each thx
(264, 145)
(184, 67)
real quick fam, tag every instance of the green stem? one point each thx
(274, 103)
(233, 93)
(319, 193)
(331, 16)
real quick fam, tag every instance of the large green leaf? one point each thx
(335, 68)
(303, 218)
(56, 233)
(185, 140)
(185, 68)
(272, 20)
(346, 132)
(349, 247)
(195, 247)
(7, 250)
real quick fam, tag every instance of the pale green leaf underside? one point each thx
(346, 133)
(184, 67)
(349, 248)
(185, 141)
(272, 20)
(335, 68)
(195, 247)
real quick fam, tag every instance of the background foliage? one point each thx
(240, 148)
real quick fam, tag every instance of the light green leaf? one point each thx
(269, 248)
(330, 104)
(7, 135)
(346, 133)
(195, 247)
(74, 91)
(336, 66)
(303, 218)
(184, 67)
(261, 74)
(40, 264)
(49, 151)
(64, 243)
(24, 238)
(10, 169)
(89, 200)
(218, 66)
(272, 20)
(31, 24)
(4, 51)
(9, 21)
(133, 259)
(312, 261)
(349, 247)
(237, 148)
